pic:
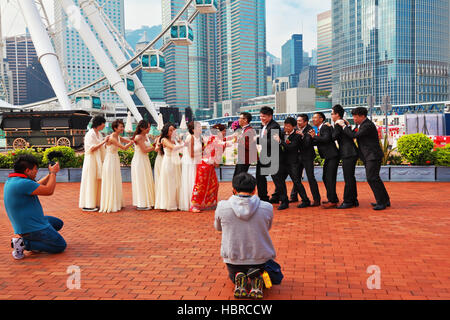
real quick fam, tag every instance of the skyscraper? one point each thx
(241, 35)
(396, 48)
(80, 65)
(324, 47)
(190, 75)
(292, 59)
(20, 54)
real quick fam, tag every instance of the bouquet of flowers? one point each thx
(235, 125)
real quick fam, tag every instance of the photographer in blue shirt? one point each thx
(37, 232)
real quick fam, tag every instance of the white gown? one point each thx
(92, 171)
(111, 195)
(189, 171)
(142, 184)
(169, 181)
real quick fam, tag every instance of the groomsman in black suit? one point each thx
(370, 153)
(306, 156)
(289, 164)
(327, 150)
(266, 139)
(349, 155)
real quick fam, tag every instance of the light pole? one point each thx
(370, 103)
(386, 107)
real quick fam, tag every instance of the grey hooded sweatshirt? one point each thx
(245, 225)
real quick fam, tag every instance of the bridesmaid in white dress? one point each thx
(111, 199)
(192, 155)
(143, 186)
(158, 161)
(169, 181)
(94, 145)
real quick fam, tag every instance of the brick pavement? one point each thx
(324, 253)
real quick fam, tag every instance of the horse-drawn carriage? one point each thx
(45, 129)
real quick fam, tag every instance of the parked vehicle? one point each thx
(45, 129)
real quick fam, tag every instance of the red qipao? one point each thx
(206, 187)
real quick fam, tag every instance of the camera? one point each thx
(52, 155)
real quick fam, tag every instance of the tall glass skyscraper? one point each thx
(324, 50)
(190, 76)
(292, 59)
(80, 66)
(398, 48)
(241, 62)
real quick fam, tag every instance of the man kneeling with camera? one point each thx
(245, 222)
(37, 232)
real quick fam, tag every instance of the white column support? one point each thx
(45, 51)
(100, 56)
(94, 17)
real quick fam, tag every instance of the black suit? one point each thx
(349, 155)
(328, 150)
(306, 156)
(371, 154)
(265, 161)
(247, 153)
(289, 165)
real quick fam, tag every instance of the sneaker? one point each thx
(18, 246)
(90, 209)
(257, 288)
(240, 288)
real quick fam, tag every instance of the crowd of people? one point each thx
(184, 175)
(184, 178)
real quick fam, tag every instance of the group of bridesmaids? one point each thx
(184, 171)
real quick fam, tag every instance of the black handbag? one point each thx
(274, 271)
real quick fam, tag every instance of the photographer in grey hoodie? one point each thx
(245, 222)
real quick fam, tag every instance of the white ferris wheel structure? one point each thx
(117, 67)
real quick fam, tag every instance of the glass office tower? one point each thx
(398, 48)
(241, 36)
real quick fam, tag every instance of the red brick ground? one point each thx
(324, 253)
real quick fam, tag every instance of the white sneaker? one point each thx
(18, 246)
(90, 209)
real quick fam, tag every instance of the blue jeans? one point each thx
(46, 240)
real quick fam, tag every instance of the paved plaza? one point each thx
(324, 254)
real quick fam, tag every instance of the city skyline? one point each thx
(283, 19)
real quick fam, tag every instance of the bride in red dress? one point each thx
(206, 187)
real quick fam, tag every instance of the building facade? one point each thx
(20, 54)
(308, 77)
(241, 49)
(292, 59)
(79, 66)
(396, 48)
(324, 51)
(190, 76)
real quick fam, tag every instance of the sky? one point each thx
(283, 18)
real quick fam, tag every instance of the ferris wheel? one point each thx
(118, 72)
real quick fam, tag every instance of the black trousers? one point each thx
(261, 183)
(240, 168)
(376, 184)
(234, 268)
(330, 168)
(291, 170)
(313, 186)
(350, 190)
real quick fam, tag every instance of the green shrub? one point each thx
(152, 156)
(126, 156)
(442, 156)
(14, 154)
(68, 160)
(416, 148)
(6, 161)
(318, 161)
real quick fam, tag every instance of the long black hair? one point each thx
(165, 134)
(142, 125)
